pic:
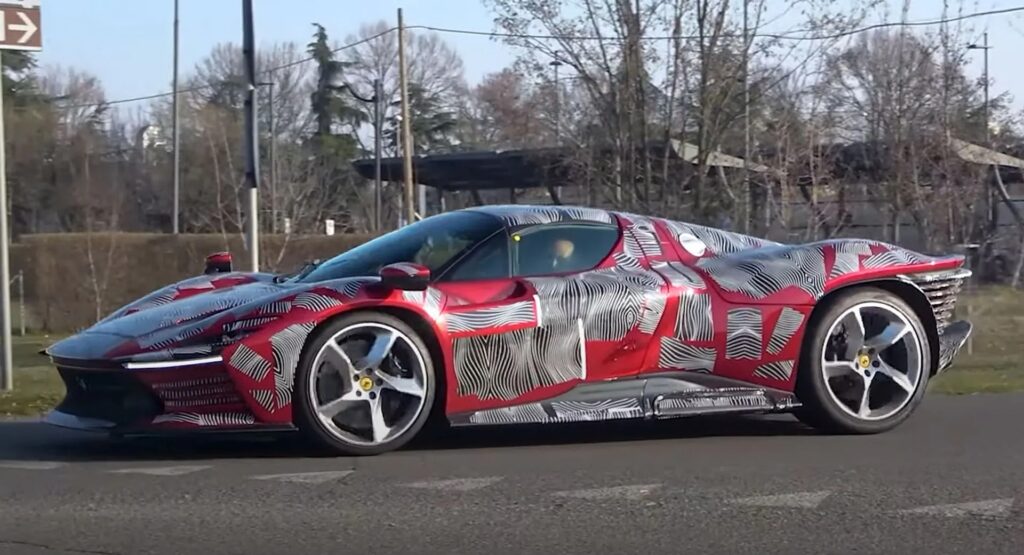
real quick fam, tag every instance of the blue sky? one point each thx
(128, 43)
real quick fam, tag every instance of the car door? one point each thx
(568, 310)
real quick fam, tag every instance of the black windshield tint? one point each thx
(432, 242)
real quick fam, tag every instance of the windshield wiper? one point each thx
(307, 268)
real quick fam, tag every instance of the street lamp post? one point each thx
(556, 63)
(176, 130)
(990, 203)
(273, 153)
(377, 99)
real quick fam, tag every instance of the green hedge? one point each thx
(72, 278)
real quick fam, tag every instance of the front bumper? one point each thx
(100, 398)
(951, 340)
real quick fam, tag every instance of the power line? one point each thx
(202, 87)
(791, 36)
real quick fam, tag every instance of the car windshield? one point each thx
(432, 242)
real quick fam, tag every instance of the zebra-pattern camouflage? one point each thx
(641, 238)
(753, 399)
(654, 309)
(507, 365)
(609, 302)
(847, 257)
(694, 319)
(744, 334)
(678, 355)
(264, 397)
(787, 325)
(895, 256)
(532, 412)
(589, 411)
(249, 323)
(286, 346)
(430, 299)
(627, 262)
(780, 370)
(679, 275)
(499, 316)
(274, 308)
(696, 238)
(206, 420)
(514, 216)
(760, 274)
(315, 302)
(250, 363)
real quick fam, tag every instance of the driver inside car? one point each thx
(563, 250)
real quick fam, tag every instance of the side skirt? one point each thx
(652, 396)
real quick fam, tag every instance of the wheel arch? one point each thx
(905, 290)
(423, 327)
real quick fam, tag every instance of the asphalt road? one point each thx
(950, 480)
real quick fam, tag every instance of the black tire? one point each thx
(819, 410)
(305, 415)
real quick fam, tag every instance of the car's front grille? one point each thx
(180, 393)
(942, 290)
(115, 396)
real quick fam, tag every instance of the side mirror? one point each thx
(218, 262)
(405, 276)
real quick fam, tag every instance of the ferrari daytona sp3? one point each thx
(524, 314)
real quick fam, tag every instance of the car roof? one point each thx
(526, 214)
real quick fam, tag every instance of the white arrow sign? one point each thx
(20, 27)
(26, 26)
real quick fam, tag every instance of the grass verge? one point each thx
(37, 387)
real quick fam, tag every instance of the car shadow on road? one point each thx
(25, 441)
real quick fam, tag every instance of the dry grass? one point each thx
(37, 387)
(997, 361)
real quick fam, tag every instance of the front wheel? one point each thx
(865, 363)
(365, 385)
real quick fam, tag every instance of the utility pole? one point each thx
(990, 201)
(403, 75)
(273, 153)
(252, 151)
(746, 121)
(5, 268)
(176, 129)
(556, 63)
(378, 127)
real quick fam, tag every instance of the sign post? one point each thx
(20, 29)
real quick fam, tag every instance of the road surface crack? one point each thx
(51, 548)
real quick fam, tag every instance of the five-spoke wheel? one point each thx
(865, 363)
(365, 384)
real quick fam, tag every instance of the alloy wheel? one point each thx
(368, 384)
(872, 361)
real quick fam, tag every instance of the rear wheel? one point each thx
(365, 385)
(865, 363)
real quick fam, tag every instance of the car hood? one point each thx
(181, 319)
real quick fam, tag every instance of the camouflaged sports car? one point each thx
(525, 314)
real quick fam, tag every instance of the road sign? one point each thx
(20, 29)
(21, 26)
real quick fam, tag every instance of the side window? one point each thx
(488, 261)
(559, 248)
